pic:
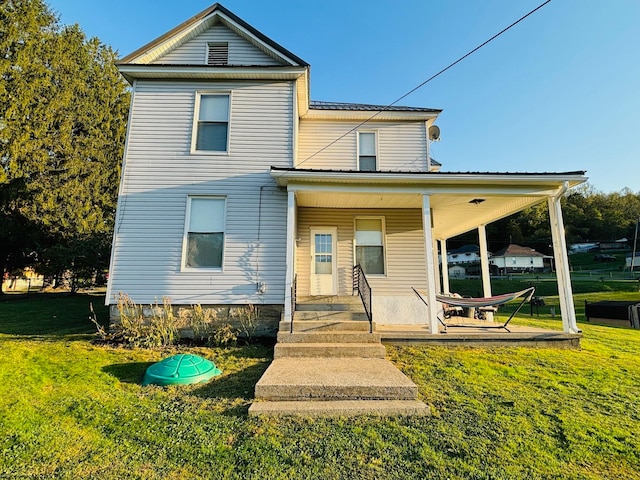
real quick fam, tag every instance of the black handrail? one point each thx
(294, 288)
(361, 285)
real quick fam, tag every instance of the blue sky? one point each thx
(558, 92)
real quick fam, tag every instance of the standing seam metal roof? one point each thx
(320, 105)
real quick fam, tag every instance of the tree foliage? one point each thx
(63, 109)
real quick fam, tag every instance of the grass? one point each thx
(71, 409)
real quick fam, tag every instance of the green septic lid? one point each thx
(181, 369)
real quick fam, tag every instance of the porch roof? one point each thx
(460, 201)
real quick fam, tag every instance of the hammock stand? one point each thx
(496, 300)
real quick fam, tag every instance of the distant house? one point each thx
(636, 263)
(464, 254)
(582, 247)
(457, 271)
(515, 258)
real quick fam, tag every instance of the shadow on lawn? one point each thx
(131, 372)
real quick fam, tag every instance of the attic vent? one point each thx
(218, 54)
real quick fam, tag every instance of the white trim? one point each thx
(380, 115)
(209, 72)
(375, 143)
(187, 217)
(196, 115)
(444, 263)
(427, 226)
(384, 242)
(290, 254)
(121, 201)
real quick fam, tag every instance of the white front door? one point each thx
(323, 261)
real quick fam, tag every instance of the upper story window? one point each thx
(204, 232)
(212, 126)
(217, 53)
(367, 148)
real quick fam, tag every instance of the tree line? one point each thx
(63, 113)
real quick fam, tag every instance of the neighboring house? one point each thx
(457, 271)
(629, 259)
(235, 185)
(464, 254)
(515, 259)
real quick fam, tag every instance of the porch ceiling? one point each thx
(453, 213)
(460, 201)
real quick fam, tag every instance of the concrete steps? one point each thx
(332, 365)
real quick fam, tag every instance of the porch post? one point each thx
(484, 266)
(290, 258)
(432, 308)
(565, 293)
(444, 266)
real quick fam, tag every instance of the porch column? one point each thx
(290, 258)
(484, 266)
(427, 222)
(444, 266)
(565, 293)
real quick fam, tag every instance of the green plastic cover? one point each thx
(181, 369)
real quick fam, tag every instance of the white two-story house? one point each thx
(236, 186)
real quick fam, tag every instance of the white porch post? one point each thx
(290, 258)
(565, 293)
(432, 308)
(484, 266)
(444, 266)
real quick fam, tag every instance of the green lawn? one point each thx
(70, 409)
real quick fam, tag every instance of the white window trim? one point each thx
(196, 114)
(384, 243)
(183, 260)
(375, 133)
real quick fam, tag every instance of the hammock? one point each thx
(481, 302)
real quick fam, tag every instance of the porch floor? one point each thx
(477, 336)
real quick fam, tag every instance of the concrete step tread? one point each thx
(330, 299)
(339, 408)
(322, 314)
(329, 337)
(334, 379)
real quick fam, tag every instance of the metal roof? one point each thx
(320, 105)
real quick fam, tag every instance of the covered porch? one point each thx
(392, 223)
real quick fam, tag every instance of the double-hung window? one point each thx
(212, 127)
(367, 158)
(369, 240)
(204, 232)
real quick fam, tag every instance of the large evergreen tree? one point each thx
(63, 109)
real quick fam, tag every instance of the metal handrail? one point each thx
(294, 288)
(361, 285)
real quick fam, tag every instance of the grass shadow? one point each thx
(131, 372)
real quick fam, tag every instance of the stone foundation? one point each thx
(267, 323)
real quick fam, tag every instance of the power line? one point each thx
(471, 52)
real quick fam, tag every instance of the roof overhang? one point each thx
(360, 115)
(460, 202)
(204, 72)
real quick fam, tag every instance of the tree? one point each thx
(63, 111)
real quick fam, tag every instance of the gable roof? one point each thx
(513, 250)
(200, 22)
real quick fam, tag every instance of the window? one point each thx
(367, 152)
(217, 53)
(204, 232)
(212, 129)
(370, 245)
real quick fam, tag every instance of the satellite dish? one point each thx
(434, 133)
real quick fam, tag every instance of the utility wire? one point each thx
(471, 52)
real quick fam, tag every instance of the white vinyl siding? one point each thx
(194, 51)
(405, 265)
(400, 146)
(160, 174)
